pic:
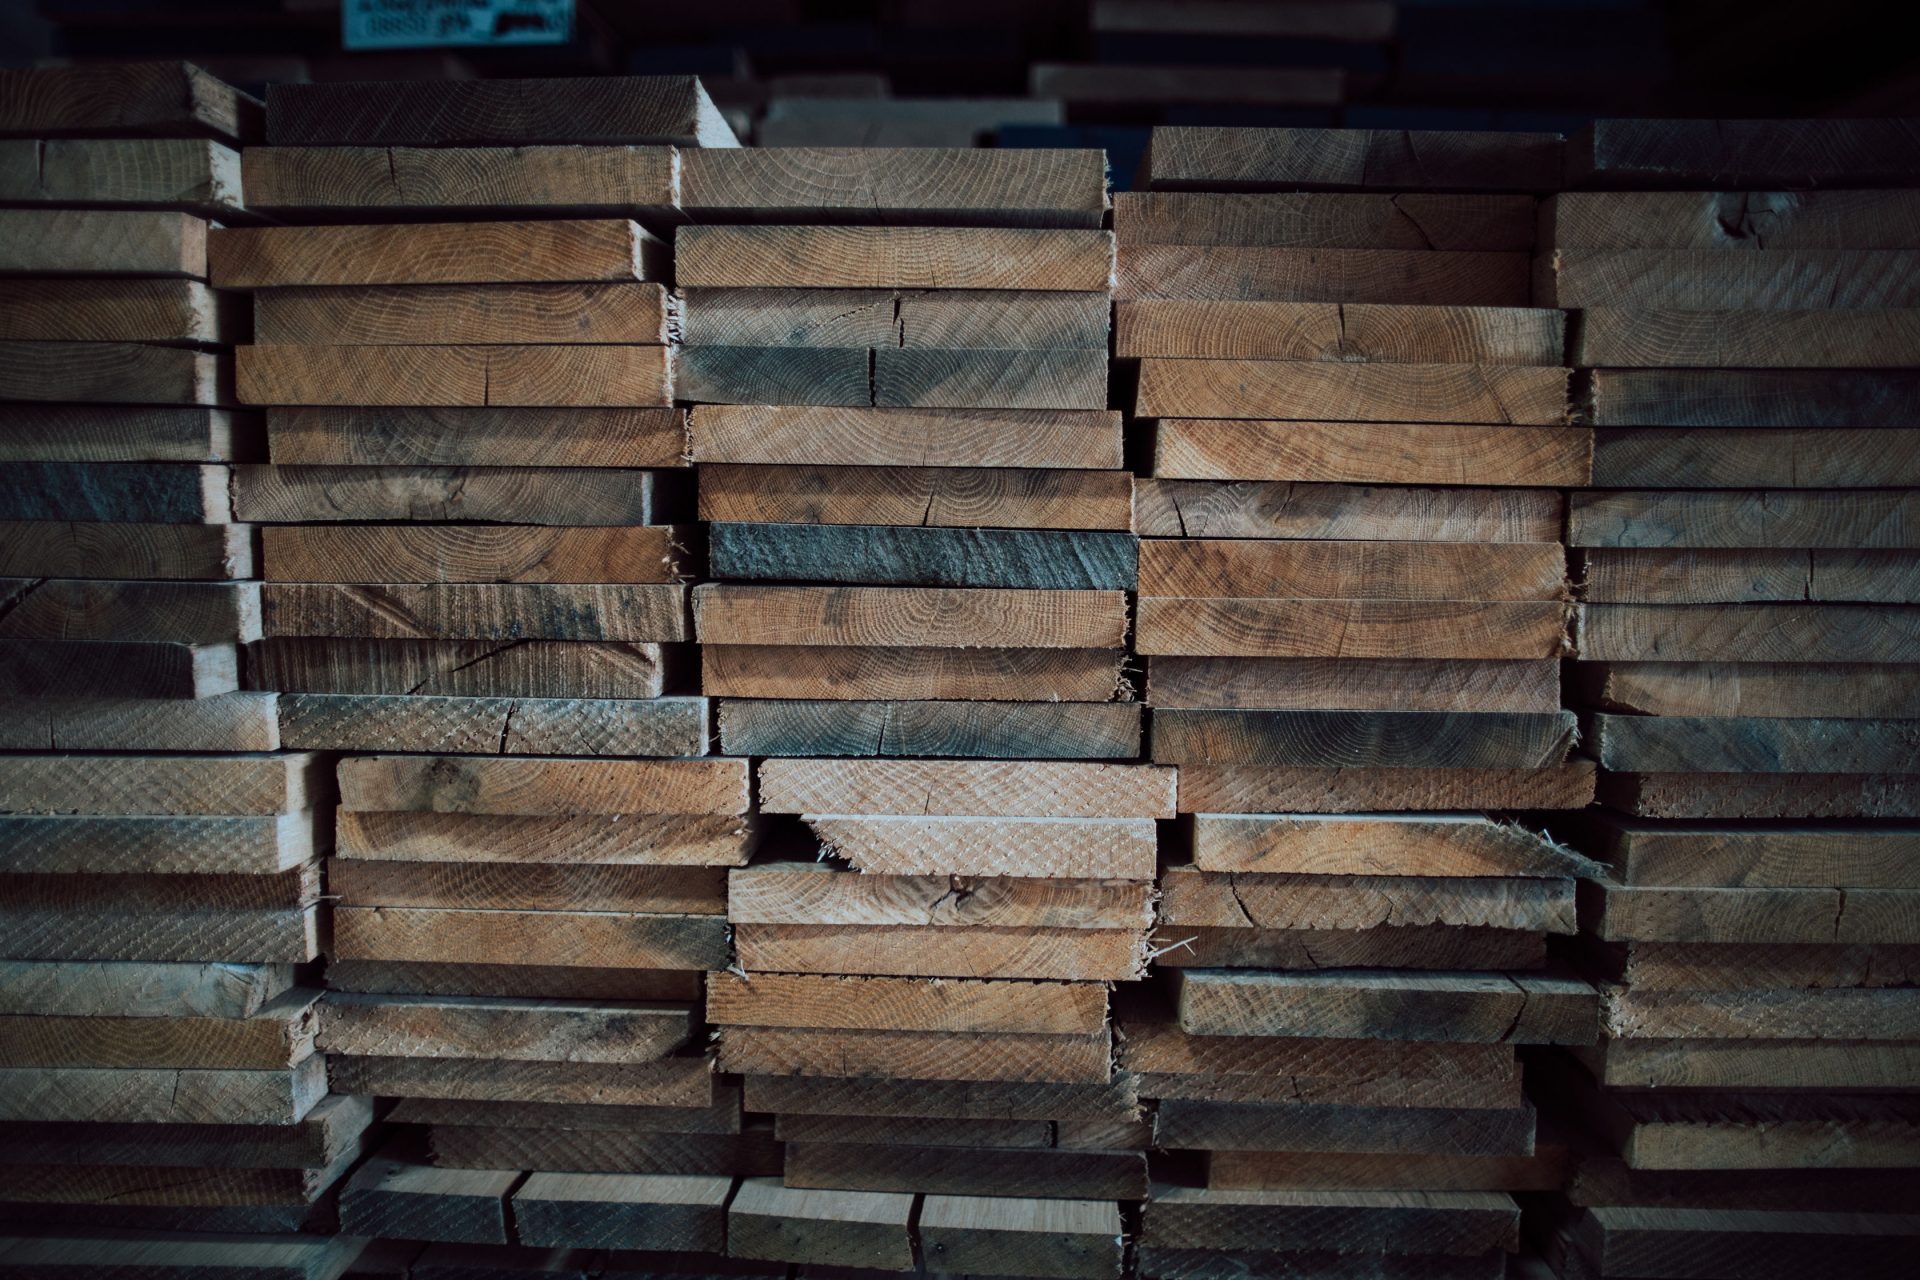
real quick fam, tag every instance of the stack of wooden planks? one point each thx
(1742, 295)
(1352, 606)
(159, 874)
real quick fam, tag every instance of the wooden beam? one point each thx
(904, 1004)
(1751, 398)
(1469, 1223)
(1372, 684)
(728, 614)
(434, 253)
(563, 938)
(1367, 844)
(918, 1055)
(102, 242)
(1249, 273)
(572, 181)
(1718, 154)
(1351, 159)
(1379, 739)
(1470, 1008)
(1038, 559)
(166, 98)
(894, 257)
(429, 376)
(114, 373)
(476, 611)
(833, 437)
(776, 1223)
(1753, 744)
(1328, 453)
(511, 1030)
(438, 113)
(596, 840)
(895, 672)
(933, 951)
(467, 668)
(1453, 334)
(679, 1212)
(1232, 900)
(1312, 220)
(1318, 390)
(1737, 220)
(480, 437)
(1208, 788)
(1734, 575)
(814, 893)
(1798, 519)
(451, 784)
(913, 788)
(419, 1202)
(944, 186)
(925, 496)
(1167, 508)
(1757, 632)
(459, 314)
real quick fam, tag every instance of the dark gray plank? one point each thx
(906, 556)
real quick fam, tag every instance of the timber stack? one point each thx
(158, 851)
(1352, 607)
(476, 554)
(921, 542)
(1744, 297)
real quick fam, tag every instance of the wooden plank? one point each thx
(434, 253)
(721, 1116)
(1663, 967)
(1754, 744)
(59, 549)
(1351, 159)
(918, 1055)
(1207, 788)
(1376, 845)
(938, 617)
(1545, 1170)
(597, 840)
(1036, 438)
(476, 611)
(1360, 1072)
(119, 433)
(1168, 508)
(162, 1095)
(465, 668)
(121, 670)
(1771, 914)
(670, 1082)
(1185, 1124)
(538, 982)
(1230, 900)
(1751, 1064)
(1885, 1014)
(1250, 273)
(1343, 1223)
(820, 1228)
(1718, 457)
(561, 938)
(1374, 684)
(102, 242)
(140, 990)
(1766, 689)
(118, 310)
(1455, 1007)
(894, 257)
(326, 553)
(928, 496)
(981, 951)
(83, 609)
(1382, 570)
(1059, 378)
(404, 436)
(1037, 559)
(1067, 1175)
(646, 888)
(1073, 848)
(174, 845)
(589, 377)
(1356, 452)
(1800, 519)
(513, 1030)
(790, 375)
(586, 496)
(168, 98)
(996, 1234)
(438, 113)
(113, 373)
(150, 891)
(113, 492)
(1738, 220)
(947, 319)
(1757, 632)
(191, 174)
(1338, 739)
(417, 1202)
(480, 786)
(1331, 331)
(281, 1257)
(959, 1099)
(577, 181)
(1438, 946)
(1721, 1242)
(1651, 336)
(265, 935)
(1337, 628)
(749, 1152)
(917, 788)
(460, 314)
(225, 722)
(1318, 390)
(1312, 220)
(680, 1212)
(944, 186)
(813, 893)
(332, 1130)
(1033, 730)
(279, 1035)
(891, 672)
(1632, 575)
(1751, 398)
(904, 1004)
(1716, 154)
(1793, 280)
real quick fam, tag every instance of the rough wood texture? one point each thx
(1175, 508)
(982, 951)
(1383, 570)
(1724, 458)
(140, 990)
(1194, 1125)
(1759, 1015)
(959, 1099)
(226, 845)
(1339, 628)
(1644, 336)
(644, 553)
(166, 98)
(164, 612)
(279, 1035)
(1752, 398)
(461, 314)
(890, 320)
(1228, 900)
(947, 186)
(513, 1030)
(225, 722)
(1380, 739)
(113, 373)
(894, 257)
(578, 496)
(57, 549)
(452, 784)
(857, 437)
(455, 376)
(117, 433)
(476, 611)
(190, 174)
(1739, 220)
(1750, 689)
(1423, 845)
(1471, 1008)
(1236, 273)
(820, 1228)
(915, 788)
(520, 437)
(1035, 730)
(977, 496)
(102, 242)
(466, 668)
(1716, 154)
(917, 1055)
(670, 1082)
(108, 668)
(183, 312)
(1208, 788)
(278, 1257)
(750, 1152)
(1342, 1222)
(538, 982)
(1310, 220)
(1747, 1065)
(904, 1004)
(1318, 390)
(418, 1202)
(1709, 280)
(1757, 632)
(895, 672)
(1737, 915)
(679, 1212)
(1413, 946)
(963, 1171)
(996, 1234)
(1745, 575)
(813, 893)
(1318, 331)
(1351, 159)
(1721, 1242)
(1754, 745)
(581, 181)
(1797, 519)
(563, 938)
(506, 726)
(1755, 795)
(1049, 559)
(1074, 848)
(939, 617)
(162, 1095)
(1344, 452)
(645, 888)
(1545, 1170)
(1373, 684)
(438, 113)
(433, 253)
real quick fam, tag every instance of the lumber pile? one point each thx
(1743, 303)
(160, 880)
(1353, 601)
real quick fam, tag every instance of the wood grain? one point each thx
(476, 376)
(841, 437)
(1338, 331)
(894, 257)
(1331, 391)
(1243, 273)
(938, 617)
(1351, 159)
